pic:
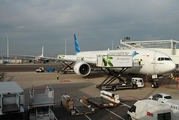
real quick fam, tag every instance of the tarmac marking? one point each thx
(130, 97)
(162, 80)
(177, 83)
(169, 82)
(126, 105)
(114, 114)
(87, 117)
(65, 81)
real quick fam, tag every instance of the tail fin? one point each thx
(76, 45)
(42, 52)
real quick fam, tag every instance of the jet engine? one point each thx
(82, 68)
(45, 61)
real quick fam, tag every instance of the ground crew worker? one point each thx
(140, 61)
(57, 76)
(82, 58)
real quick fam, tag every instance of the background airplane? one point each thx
(36, 58)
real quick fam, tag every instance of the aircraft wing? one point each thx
(23, 55)
(68, 60)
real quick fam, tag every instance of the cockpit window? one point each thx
(164, 59)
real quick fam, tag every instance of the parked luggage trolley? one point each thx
(105, 100)
(75, 107)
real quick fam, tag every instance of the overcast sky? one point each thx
(31, 24)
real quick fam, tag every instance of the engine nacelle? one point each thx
(82, 68)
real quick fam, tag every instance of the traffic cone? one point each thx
(86, 79)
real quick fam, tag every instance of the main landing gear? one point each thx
(155, 83)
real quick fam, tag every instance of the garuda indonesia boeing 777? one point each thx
(153, 62)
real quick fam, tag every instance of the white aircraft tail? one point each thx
(42, 52)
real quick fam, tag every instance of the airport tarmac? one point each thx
(77, 86)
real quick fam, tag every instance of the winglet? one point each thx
(76, 45)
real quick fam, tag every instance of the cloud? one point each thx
(31, 23)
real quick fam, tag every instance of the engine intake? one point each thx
(82, 68)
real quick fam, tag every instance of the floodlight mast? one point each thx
(7, 47)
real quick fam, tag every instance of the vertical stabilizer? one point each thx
(76, 45)
(42, 51)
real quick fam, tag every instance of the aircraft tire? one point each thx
(152, 85)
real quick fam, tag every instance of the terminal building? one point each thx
(168, 47)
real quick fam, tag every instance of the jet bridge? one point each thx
(111, 62)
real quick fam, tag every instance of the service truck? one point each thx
(50, 69)
(139, 81)
(134, 83)
(149, 110)
(12, 101)
(40, 69)
(40, 104)
(174, 105)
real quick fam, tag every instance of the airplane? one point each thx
(39, 58)
(154, 63)
(36, 58)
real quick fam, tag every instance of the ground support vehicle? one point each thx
(40, 104)
(161, 97)
(174, 74)
(75, 107)
(149, 110)
(139, 82)
(41, 69)
(105, 100)
(50, 69)
(174, 105)
(133, 84)
(106, 84)
(5, 62)
(12, 101)
(112, 62)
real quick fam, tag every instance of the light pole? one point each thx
(112, 44)
(7, 47)
(65, 46)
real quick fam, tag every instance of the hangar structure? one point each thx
(168, 47)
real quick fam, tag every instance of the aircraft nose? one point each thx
(171, 67)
